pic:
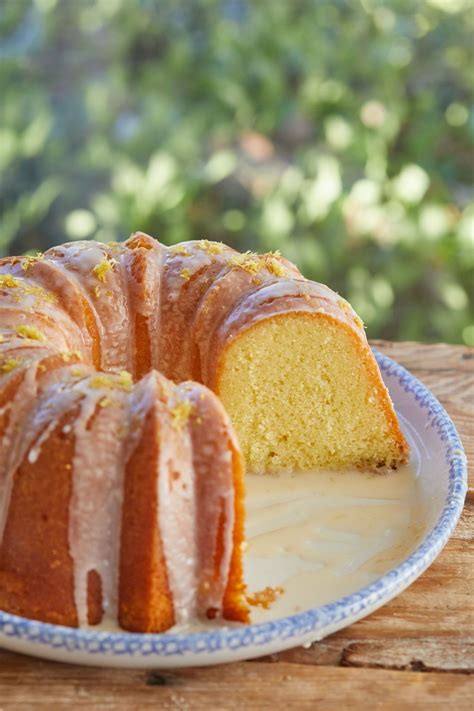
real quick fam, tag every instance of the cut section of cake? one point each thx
(301, 384)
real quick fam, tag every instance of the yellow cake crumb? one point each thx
(325, 423)
(211, 247)
(181, 413)
(105, 402)
(264, 598)
(30, 332)
(77, 372)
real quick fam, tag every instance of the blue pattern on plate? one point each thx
(310, 622)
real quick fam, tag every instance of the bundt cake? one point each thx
(121, 482)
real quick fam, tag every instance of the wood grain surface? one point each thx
(416, 652)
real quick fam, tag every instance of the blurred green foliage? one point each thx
(338, 131)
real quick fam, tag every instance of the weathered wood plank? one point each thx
(247, 686)
(421, 655)
(406, 654)
(430, 356)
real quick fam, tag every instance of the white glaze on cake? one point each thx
(96, 503)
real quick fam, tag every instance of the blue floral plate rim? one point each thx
(256, 639)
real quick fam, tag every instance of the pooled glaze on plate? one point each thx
(321, 535)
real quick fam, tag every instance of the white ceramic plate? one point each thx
(441, 485)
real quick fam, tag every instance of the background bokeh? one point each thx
(339, 132)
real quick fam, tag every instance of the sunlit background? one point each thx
(339, 132)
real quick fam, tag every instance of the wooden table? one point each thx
(416, 652)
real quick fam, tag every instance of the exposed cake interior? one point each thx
(291, 411)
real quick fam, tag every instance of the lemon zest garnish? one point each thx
(105, 402)
(358, 321)
(344, 305)
(179, 249)
(274, 266)
(40, 293)
(248, 261)
(67, 356)
(10, 281)
(101, 381)
(13, 283)
(10, 364)
(181, 413)
(77, 372)
(29, 260)
(30, 332)
(186, 274)
(102, 269)
(211, 247)
(109, 382)
(125, 379)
